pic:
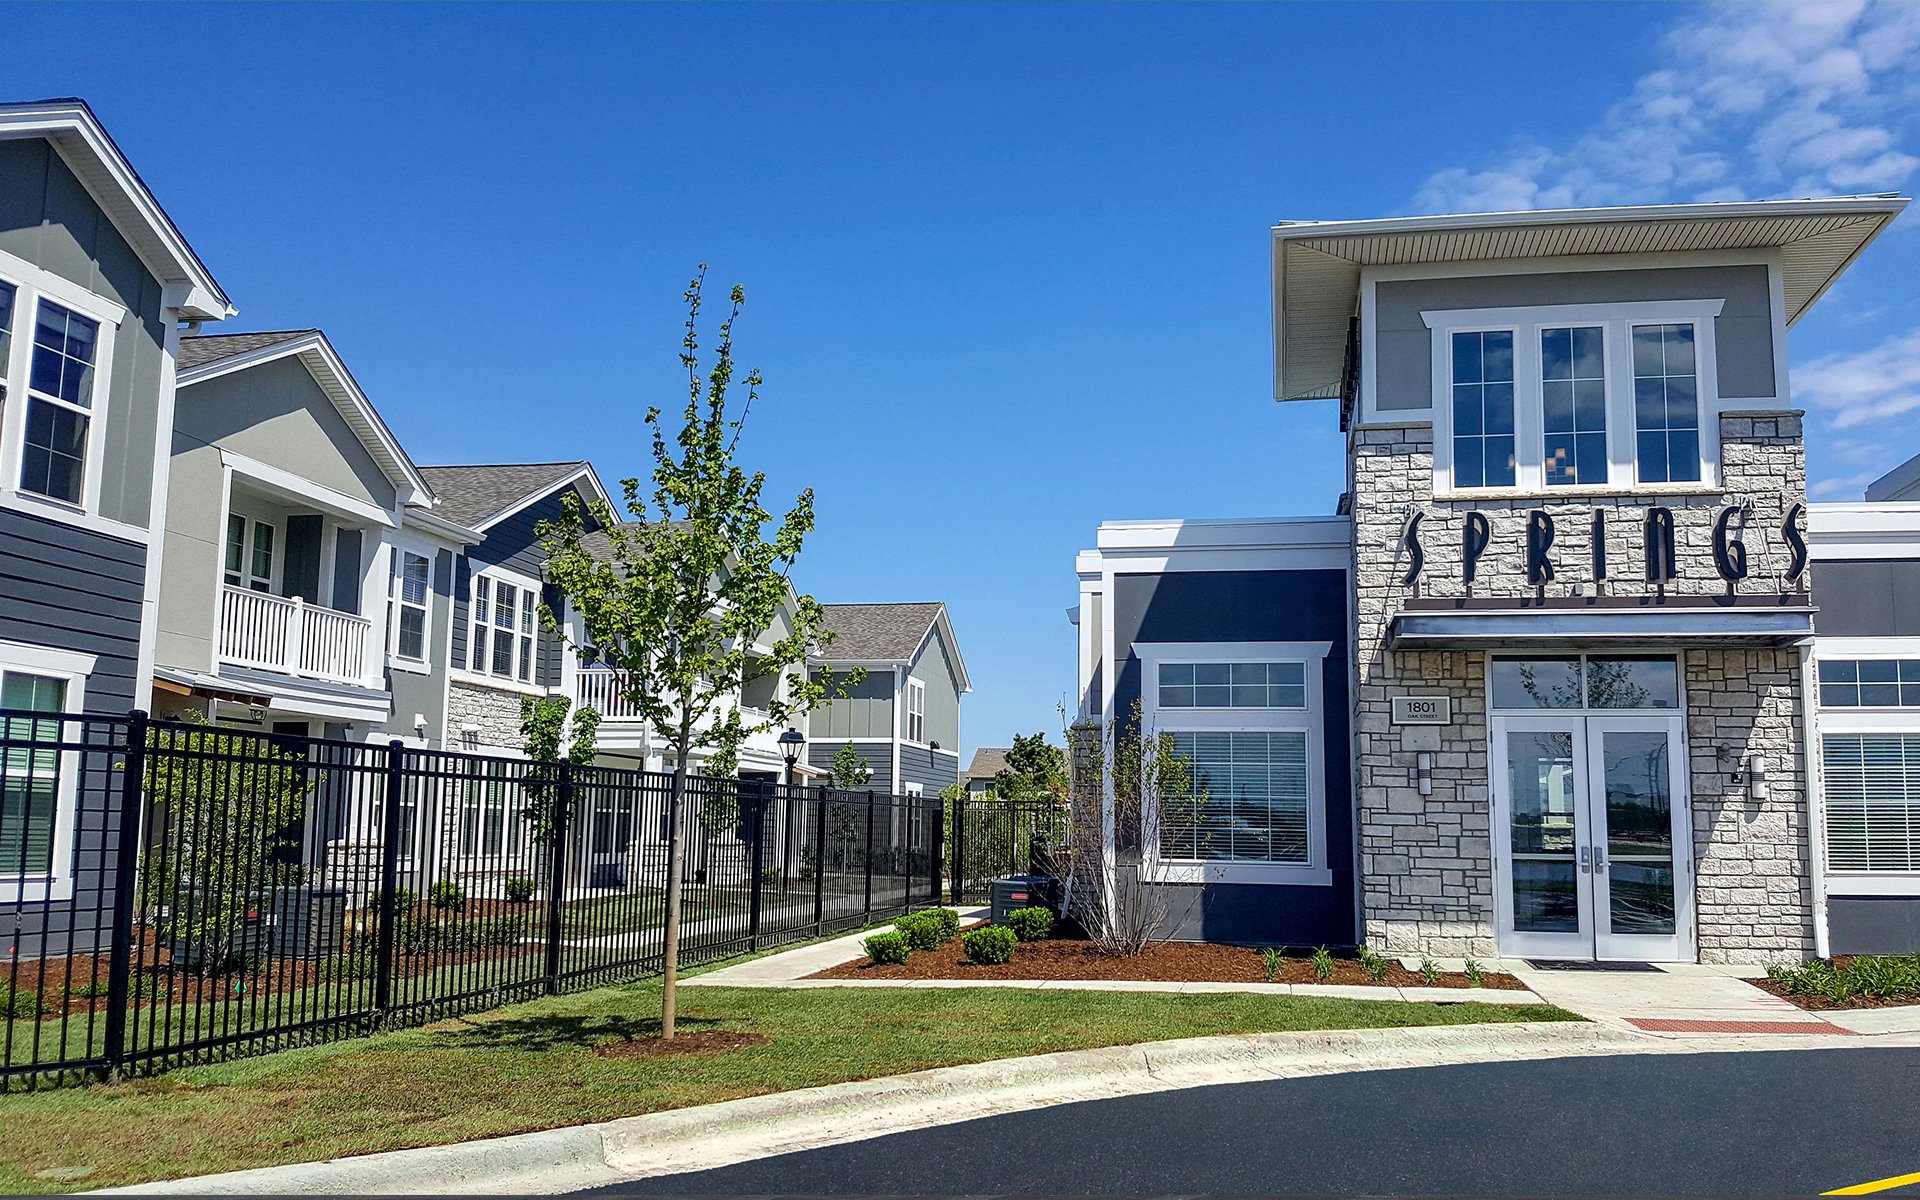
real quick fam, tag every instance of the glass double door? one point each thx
(1592, 846)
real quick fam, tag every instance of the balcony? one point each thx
(293, 637)
(598, 688)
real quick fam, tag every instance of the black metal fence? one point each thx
(180, 893)
(993, 838)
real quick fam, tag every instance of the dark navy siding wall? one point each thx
(1255, 606)
(1874, 924)
(73, 589)
(1867, 597)
(515, 545)
(879, 757)
(931, 770)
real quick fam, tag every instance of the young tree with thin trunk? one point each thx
(691, 585)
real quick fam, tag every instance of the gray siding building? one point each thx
(904, 716)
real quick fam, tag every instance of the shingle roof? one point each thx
(200, 350)
(471, 494)
(988, 761)
(877, 632)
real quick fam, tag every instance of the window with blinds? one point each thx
(1873, 801)
(1249, 802)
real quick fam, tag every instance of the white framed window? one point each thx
(250, 552)
(1581, 397)
(39, 775)
(1871, 786)
(59, 404)
(483, 809)
(1869, 683)
(409, 587)
(916, 710)
(1248, 718)
(503, 627)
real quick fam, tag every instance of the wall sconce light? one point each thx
(1756, 777)
(1423, 772)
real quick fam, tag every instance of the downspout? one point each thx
(1816, 798)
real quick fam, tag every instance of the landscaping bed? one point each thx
(1070, 957)
(1849, 981)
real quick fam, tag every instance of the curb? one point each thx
(716, 1135)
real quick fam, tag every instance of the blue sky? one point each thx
(1006, 265)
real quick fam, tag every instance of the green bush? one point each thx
(922, 930)
(949, 921)
(889, 947)
(423, 933)
(1030, 924)
(1374, 965)
(1876, 976)
(989, 945)
(20, 1003)
(97, 990)
(355, 964)
(447, 896)
(404, 899)
(1475, 973)
(520, 889)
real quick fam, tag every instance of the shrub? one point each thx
(96, 990)
(356, 964)
(948, 919)
(1322, 964)
(447, 896)
(889, 947)
(19, 1002)
(1272, 960)
(404, 899)
(989, 945)
(520, 889)
(921, 930)
(422, 933)
(1030, 924)
(1880, 977)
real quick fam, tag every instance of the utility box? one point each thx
(1020, 891)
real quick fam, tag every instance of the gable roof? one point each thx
(1317, 264)
(123, 196)
(212, 356)
(889, 633)
(478, 495)
(988, 761)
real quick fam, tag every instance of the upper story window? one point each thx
(916, 711)
(408, 587)
(1573, 396)
(1870, 683)
(249, 553)
(503, 629)
(56, 342)
(60, 384)
(1233, 685)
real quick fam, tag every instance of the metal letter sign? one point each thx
(1729, 552)
(1599, 544)
(1474, 543)
(1661, 567)
(1422, 710)
(1410, 542)
(1796, 544)
(1539, 541)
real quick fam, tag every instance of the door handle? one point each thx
(1599, 860)
(1586, 859)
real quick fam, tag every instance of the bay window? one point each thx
(502, 634)
(1573, 396)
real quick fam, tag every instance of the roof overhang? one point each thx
(1317, 265)
(331, 374)
(423, 518)
(1572, 628)
(117, 188)
(582, 475)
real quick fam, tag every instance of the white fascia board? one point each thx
(300, 488)
(424, 519)
(1224, 534)
(1883, 530)
(945, 628)
(583, 475)
(1889, 204)
(189, 288)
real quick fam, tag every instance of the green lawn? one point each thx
(532, 1066)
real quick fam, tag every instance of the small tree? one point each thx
(232, 804)
(1124, 803)
(548, 739)
(690, 587)
(1035, 771)
(848, 772)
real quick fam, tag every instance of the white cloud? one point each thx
(1856, 388)
(1750, 100)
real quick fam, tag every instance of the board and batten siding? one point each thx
(865, 711)
(1743, 332)
(48, 219)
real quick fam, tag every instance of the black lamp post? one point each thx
(790, 743)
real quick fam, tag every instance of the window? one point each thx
(1233, 685)
(916, 711)
(249, 563)
(1873, 801)
(7, 293)
(1598, 681)
(1666, 404)
(407, 607)
(30, 777)
(1573, 405)
(1870, 683)
(1483, 447)
(502, 635)
(483, 811)
(1249, 799)
(59, 404)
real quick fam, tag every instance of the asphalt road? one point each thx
(1766, 1123)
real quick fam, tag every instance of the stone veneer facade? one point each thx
(1426, 861)
(493, 712)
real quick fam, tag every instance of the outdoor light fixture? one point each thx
(1423, 772)
(1757, 777)
(790, 743)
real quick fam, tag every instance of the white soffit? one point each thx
(1317, 265)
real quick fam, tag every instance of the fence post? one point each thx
(756, 861)
(936, 846)
(820, 863)
(868, 907)
(383, 947)
(959, 848)
(120, 957)
(557, 873)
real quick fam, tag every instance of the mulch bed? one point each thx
(1817, 1003)
(1170, 962)
(711, 1041)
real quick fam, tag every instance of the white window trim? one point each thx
(399, 662)
(74, 669)
(1155, 720)
(464, 669)
(1616, 320)
(1854, 721)
(32, 286)
(513, 826)
(916, 712)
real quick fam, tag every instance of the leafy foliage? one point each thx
(989, 945)
(1031, 924)
(548, 737)
(1430, 971)
(1322, 964)
(890, 947)
(1271, 959)
(922, 930)
(848, 772)
(447, 896)
(20, 1002)
(1373, 964)
(520, 889)
(1035, 770)
(232, 805)
(1874, 976)
(424, 933)
(1475, 973)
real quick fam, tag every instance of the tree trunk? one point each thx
(676, 867)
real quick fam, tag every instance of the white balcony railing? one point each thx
(598, 688)
(278, 633)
